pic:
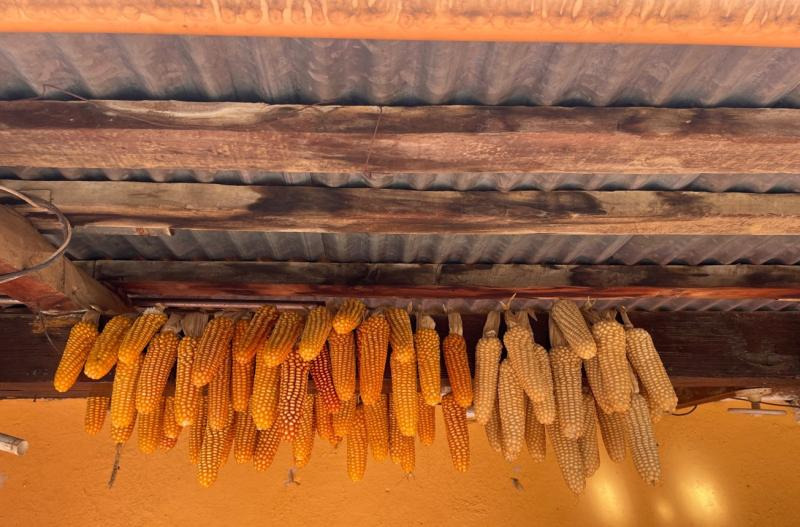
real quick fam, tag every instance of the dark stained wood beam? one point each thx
(144, 207)
(220, 136)
(707, 354)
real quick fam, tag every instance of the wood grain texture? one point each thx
(293, 138)
(148, 207)
(228, 280)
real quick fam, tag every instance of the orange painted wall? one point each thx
(719, 469)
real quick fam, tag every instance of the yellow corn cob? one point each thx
(245, 434)
(315, 333)
(512, 411)
(349, 316)
(303, 444)
(534, 434)
(590, 452)
(258, 330)
(376, 418)
(294, 388)
(573, 326)
(526, 357)
(566, 367)
(400, 335)
(342, 349)
(568, 455)
(141, 331)
(161, 355)
(76, 351)
(610, 337)
(149, 430)
(220, 412)
(323, 421)
(455, 427)
(639, 435)
(455, 359)
(323, 381)
(426, 425)
(343, 419)
(241, 372)
(408, 456)
(120, 435)
(167, 443)
(283, 338)
(429, 359)
(592, 369)
(395, 438)
(211, 456)
(171, 429)
(123, 393)
(494, 431)
(198, 431)
(214, 345)
(187, 395)
(96, 408)
(264, 399)
(105, 349)
(487, 365)
(656, 412)
(404, 393)
(373, 343)
(648, 366)
(357, 446)
(266, 447)
(612, 428)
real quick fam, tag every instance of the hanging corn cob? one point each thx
(615, 377)
(639, 435)
(357, 447)
(123, 394)
(323, 420)
(167, 443)
(590, 452)
(161, 355)
(487, 364)
(149, 430)
(373, 344)
(258, 330)
(342, 348)
(400, 335)
(293, 391)
(426, 424)
(264, 399)
(120, 435)
(315, 333)
(566, 366)
(455, 427)
(376, 418)
(220, 411)
(213, 347)
(197, 431)
(343, 419)
(303, 444)
(170, 427)
(568, 455)
(349, 316)
(395, 438)
(404, 393)
(76, 351)
(535, 436)
(211, 456)
(96, 408)
(592, 369)
(283, 338)
(140, 332)
(612, 428)
(427, 345)
(408, 455)
(527, 358)
(494, 431)
(105, 349)
(323, 381)
(455, 360)
(573, 326)
(266, 447)
(512, 411)
(187, 395)
(241, 372)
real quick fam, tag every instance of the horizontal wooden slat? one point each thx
(227, 280)
(221, 136)
(145, 206)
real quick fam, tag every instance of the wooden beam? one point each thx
(59, 286)
(292, 138)
(730, 350)
(198, 206)
(229, 280)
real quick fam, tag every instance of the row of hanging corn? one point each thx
(241, 384)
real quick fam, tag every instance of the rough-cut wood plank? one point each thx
(218, 136)
(703, 349)
(131, 206)
(59, 286)
(227, 280)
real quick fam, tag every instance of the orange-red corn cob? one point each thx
(76, 351)
(342, 348)
(241, 372)
(323, 381)
(323, 420)
(303, 444)
(357, 447)
(293, 391)
(96, 408)
(266, 447)
(105, 349)
(214, 345)
(140, 333)
(455, 426)
(258, 330)
(162, 352)
(315, 332)
(220, 411)
(343, 419)
(283, 338)
(373, 344)
(245, 434)
(455, 359)
(429, 359)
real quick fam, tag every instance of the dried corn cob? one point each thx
(149, 430)
(526, 357)
(648, 366)
(105, 349)
(294, 388)
(429, 360)
(487, 365)
(211, 456)
(455, 359)
(534, 434)
(123, 393)
(198, 430)
(494, 431)
(373, 343)
(96, 408)
(349, 316)
(573, 326)
(139, 334)
(315, 332)
(303, 444)
(266, 447)
(187, 395)
(455, 427)
(376, 418)
(241, 372)
(120, 435)
(342, 348)
(404, 393)
(258, 329)
(264, 399)
(610, 337)
(161, 355)
(323, 381)
(220, 411)
(343, 419)
(568, 454)
(395, 438)
(214, 345)
(512, 411)
(323, 420)
(408, 455)
(230, 437)
(400, 335)
(639, 435)
(283, 338)
(167, 443)
(357, 446)
(566, 367)
(612, 428)
(426, 425)
(592, 369)
(76, 351)
(170, 428)
(590, 452)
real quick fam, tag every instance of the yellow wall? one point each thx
(719, 469)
